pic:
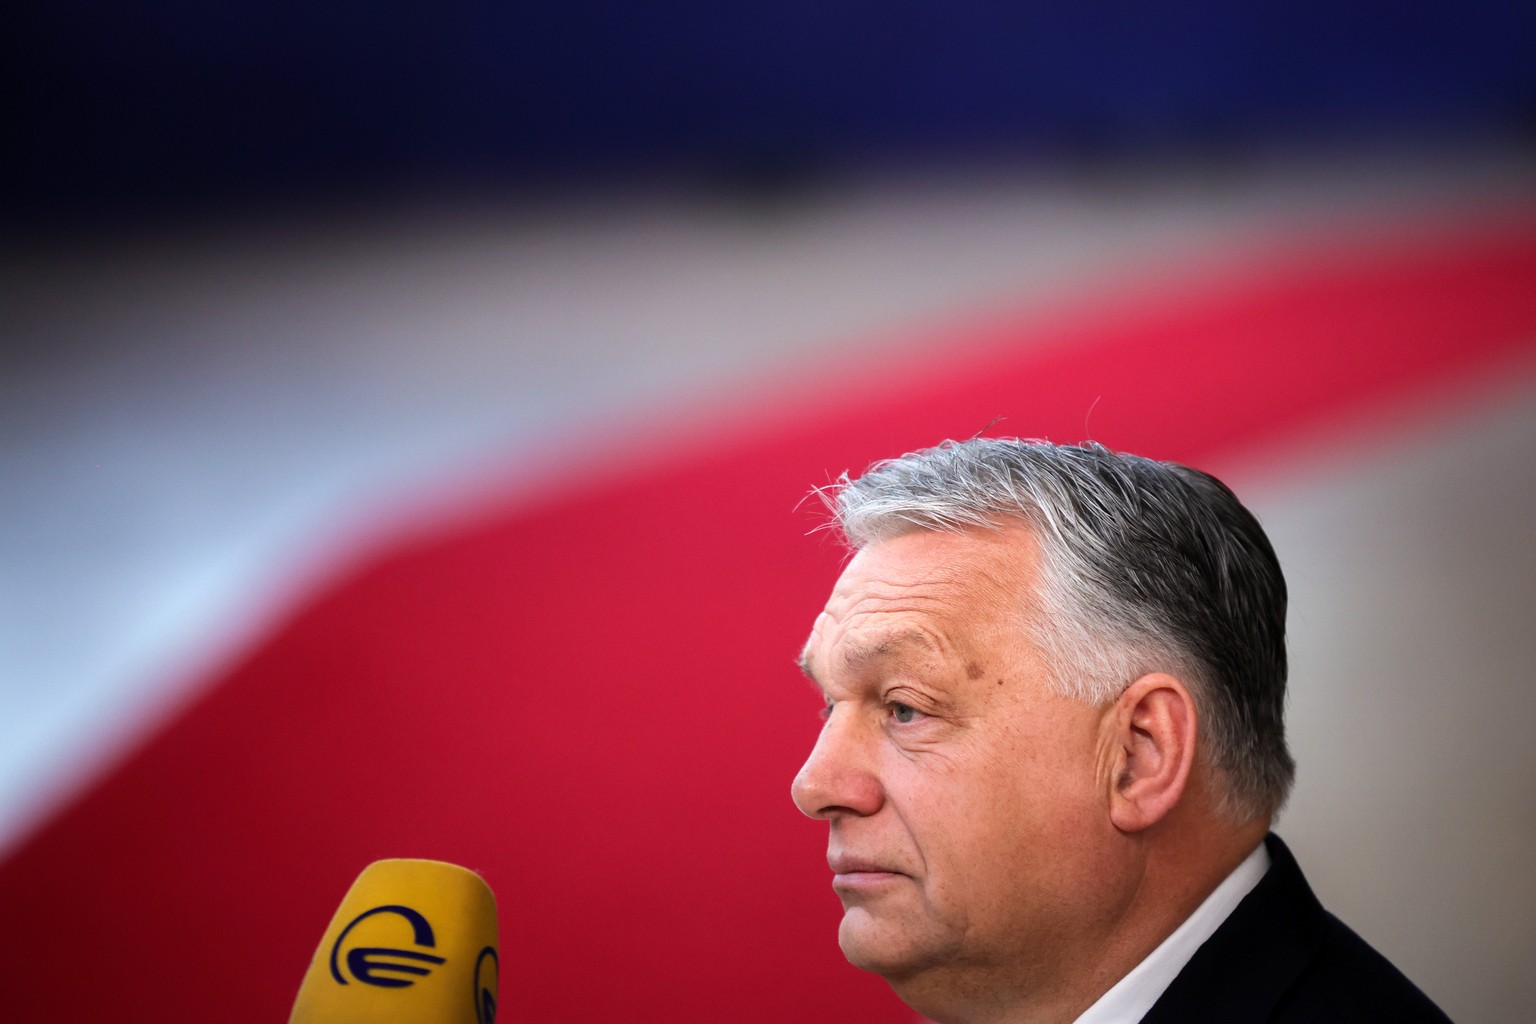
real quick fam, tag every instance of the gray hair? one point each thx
(1144, 566)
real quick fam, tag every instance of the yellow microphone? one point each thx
(413, 942)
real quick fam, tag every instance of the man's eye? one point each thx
(903, 713)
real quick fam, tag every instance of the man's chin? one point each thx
(880, 946)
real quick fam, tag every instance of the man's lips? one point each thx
(848, 864)
(852, 872)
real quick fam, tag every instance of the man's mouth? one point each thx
(855, 873)
(847, 864)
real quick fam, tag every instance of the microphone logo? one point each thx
(486, 968)
(384, 966)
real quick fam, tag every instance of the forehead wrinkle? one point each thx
(955, 579)
(931, 590)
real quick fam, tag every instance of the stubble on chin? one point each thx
(898, 951)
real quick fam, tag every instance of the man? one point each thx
(1053, 747)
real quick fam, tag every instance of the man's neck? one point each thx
(1167, 878)
(1130, 998)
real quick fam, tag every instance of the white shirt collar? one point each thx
(1133, 995)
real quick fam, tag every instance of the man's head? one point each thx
(1046, 668)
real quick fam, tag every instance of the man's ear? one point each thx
(1153, 729)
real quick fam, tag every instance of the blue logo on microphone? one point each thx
(383, 965)
(486, 968)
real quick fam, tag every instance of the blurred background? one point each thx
(406, 411)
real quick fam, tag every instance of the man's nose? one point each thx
(839, 779)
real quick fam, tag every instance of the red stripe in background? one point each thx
(591, 701)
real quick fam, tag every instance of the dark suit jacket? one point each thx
(1280, 958)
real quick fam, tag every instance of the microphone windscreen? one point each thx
(413, 942)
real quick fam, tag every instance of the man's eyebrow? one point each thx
(855, 654)
(885, 646)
